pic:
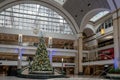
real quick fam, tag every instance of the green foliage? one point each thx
(116, 71)
(41, 60)
(19, 71)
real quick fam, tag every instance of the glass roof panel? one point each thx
(61, 1)
(99, 15)
(30, 16)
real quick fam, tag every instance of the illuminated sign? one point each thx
(102, 31)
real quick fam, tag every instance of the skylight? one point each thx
(99, 15)
(60, 1)
(32, 16)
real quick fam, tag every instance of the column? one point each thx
(20, 51)
(19, 58)
(20, 36)
(50, 56)
(50, 42)
(78, 61)
(116, 34)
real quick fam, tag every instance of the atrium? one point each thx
(81, 37)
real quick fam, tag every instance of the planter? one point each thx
(113, 76)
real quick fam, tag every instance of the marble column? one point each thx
(19, 58)
(78, 61)
(116, 34)
(50, 56)
(50, 42)
(20, 37)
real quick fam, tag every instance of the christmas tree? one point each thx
(41, 60)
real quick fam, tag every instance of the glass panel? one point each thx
(28, 16)
(99, 15)
(60, 1)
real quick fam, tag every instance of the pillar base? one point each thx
(18, 71)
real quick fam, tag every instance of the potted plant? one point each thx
(113, 73)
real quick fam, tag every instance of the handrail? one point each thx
(59, 72)
(26, 67)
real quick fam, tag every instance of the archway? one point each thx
(89, 15)
(47, 3)
(89, 30)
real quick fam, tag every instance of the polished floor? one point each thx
(71, 78)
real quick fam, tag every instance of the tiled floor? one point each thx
(72, 78)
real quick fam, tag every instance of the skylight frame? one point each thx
(99, 15)
(61, 2)
(26, 20)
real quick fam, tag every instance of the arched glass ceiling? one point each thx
(99, 15)
(60, 1)
(29, 16)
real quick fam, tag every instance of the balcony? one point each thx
(100, 62)
(24, 63)
(31, 50)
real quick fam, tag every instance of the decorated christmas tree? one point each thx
(41, 62)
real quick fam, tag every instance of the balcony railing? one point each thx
(95, 59)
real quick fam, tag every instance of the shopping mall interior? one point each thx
(82, 37)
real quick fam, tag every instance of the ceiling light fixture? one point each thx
(109, 37)
(89, 4)
(81, 10)
(75, 15)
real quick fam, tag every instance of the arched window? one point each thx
(107, 24)
(99, 15)
(29, 16)
(61, 2)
